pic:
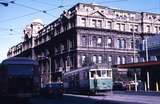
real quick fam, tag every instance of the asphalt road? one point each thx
(108, 98)
(73, 100)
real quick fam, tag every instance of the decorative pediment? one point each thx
(97, 14)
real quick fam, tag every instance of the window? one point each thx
(98, 73)
(104, 73)
(68, 61)
(65, 27)
(70, 44)
(118, 43)
(99, 23)
(83, 22)
(132, 44)
(72, 24)
(99, 41)
(156, 29)
(123, 27)
(118, 60)
(94, 23)
(62, 47)
(132, 59)
(109, 42)
(83, 58)
(136, 59)
(118, 26)
(123, 60)
(109, 58)
(131, 28)
(148, 28)
(94, 41)
(109, 25)
(85, 75)
(94, 59)
(93, 73)
(99, 59)
(136, 28)
(109, 73)
(123, 43)
(84, 41)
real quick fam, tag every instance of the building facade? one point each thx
(87, 34)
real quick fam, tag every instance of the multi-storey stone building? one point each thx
(88, 33)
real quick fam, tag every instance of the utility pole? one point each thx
(134, 54)
(146, 49)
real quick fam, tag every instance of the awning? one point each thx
(138, 65)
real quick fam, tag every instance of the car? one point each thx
(53, 89)
(119, 86)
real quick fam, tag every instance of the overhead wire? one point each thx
(14, 18)
(9, 29)
(37, 11)
(33, 13)
(111, 1)
(46, 11)
(42, 2)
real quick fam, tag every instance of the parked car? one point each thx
(53, 89)
(119, 86)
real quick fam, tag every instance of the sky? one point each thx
(19, 13)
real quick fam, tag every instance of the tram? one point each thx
(90, 80)
(19, 77)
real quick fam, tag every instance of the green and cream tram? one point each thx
(88, 80)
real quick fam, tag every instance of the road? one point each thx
(75, 99)
(108, 98)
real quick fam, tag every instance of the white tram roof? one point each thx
(84, 68)
(74, 71)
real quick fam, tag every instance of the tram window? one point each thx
(85, 75)
(99, 73)
(104, 73)
(109, 73)
(92, 74)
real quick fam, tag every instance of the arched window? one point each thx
(94, 59)
(83, 58)
(99, 41)
(123, 43)
(118, 60)
(99, 59)
(109, 42)
(132, 45)
(123, 60)
(94, 41)
(118, 43)
(84, 40)
(109, 58)
(132, 59)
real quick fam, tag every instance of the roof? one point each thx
(38, 21)
(19, 60)
(138, 65)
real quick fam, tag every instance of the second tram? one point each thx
(88, 80)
